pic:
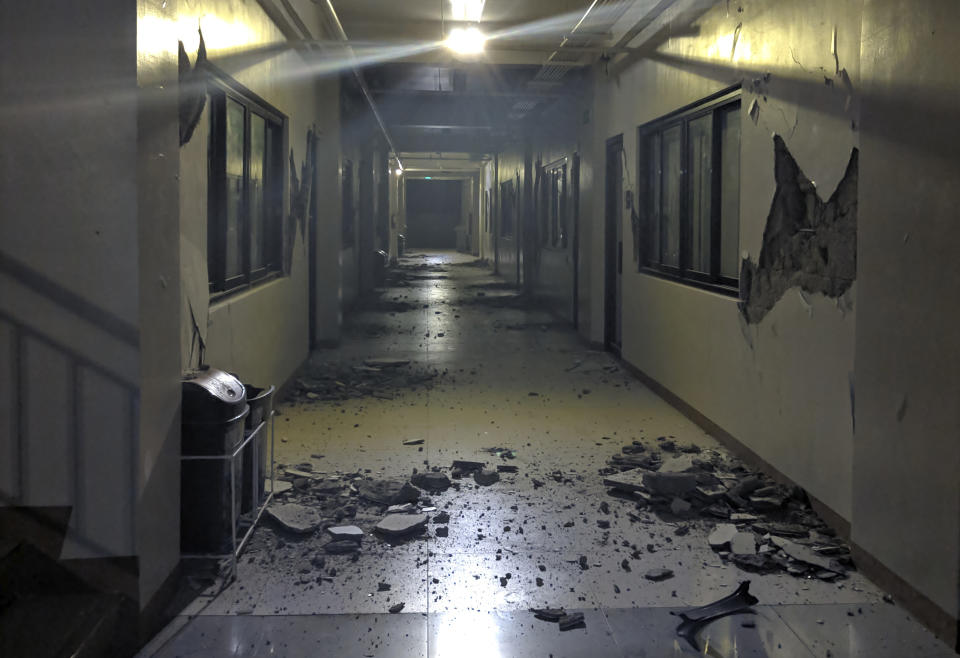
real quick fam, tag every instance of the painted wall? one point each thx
(781, 386)
(262, 333)
(905, 449)
(70, 268)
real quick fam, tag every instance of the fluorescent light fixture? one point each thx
(428, 178)
(466, 40)
(467, 10)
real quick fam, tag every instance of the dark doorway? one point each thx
(433, 213)
(613, 245)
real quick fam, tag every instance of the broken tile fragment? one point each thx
(669, 483)
(722, 535)
(350, 532)
(572, 621)
(400, 525)
(295, 518)
(388, 492)
(743, 543)
(431, 481)
(656, 575)
(549, 614)
(486, 477)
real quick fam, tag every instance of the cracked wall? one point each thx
(807, 243)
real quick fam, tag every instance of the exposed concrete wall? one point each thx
(906, 454)
(780, 386)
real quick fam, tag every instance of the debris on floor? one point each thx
(694, 619)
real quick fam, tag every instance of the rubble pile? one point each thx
(758, 525)
(380, 378)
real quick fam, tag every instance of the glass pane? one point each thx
(730, 192)
(700, 137)
(670, 200)
(258, 154)
(653, 192)
(234, 182)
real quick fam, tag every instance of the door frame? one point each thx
(613, 253)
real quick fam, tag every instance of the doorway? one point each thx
(613, 246)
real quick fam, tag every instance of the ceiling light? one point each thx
(466, 40)
(399, 172)
(467, 10)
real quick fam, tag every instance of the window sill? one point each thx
(220, 298)
(719, 288)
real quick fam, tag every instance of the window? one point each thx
(347, 203)
(690, 182)
(556, 179)
(245, 188)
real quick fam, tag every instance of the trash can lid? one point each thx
(212, 394)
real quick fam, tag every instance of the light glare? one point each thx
(466, 40)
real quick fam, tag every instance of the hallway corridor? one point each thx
(494, 380)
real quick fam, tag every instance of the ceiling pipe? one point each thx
(342, 35)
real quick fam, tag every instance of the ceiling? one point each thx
(433, 100)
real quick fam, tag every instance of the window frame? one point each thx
(220, 88)
(713, 106)
(556, 204)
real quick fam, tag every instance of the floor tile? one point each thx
(861, 631)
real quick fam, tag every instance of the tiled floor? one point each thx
(513, 378)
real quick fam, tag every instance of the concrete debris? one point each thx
(572, 621)
(386, 362)
(464, 466)
(694, 619)
(743, 543)
(549, 614)
(406, 508)
(401, 525)
(277, 486)
(394, 609)
(722, 535)
(413, 442)
(442, 517)
(680, 464)
(388, 492)
(802, 553)
(625, 481)
(298, 519)
(680, 507)
(442, 531)
(507, 468)
(351, 532)
(656, 575)
(383, 587)
(431, 481)
(486, 477)
(670, 483)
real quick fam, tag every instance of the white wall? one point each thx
(780, 387)
(261, 333)
(906, 452)
(70, 267)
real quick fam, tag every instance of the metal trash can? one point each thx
(261, 406)
(214, 410)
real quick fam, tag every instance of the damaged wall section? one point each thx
(806, 243)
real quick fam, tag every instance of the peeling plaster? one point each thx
(193, 89)
(807, 243)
